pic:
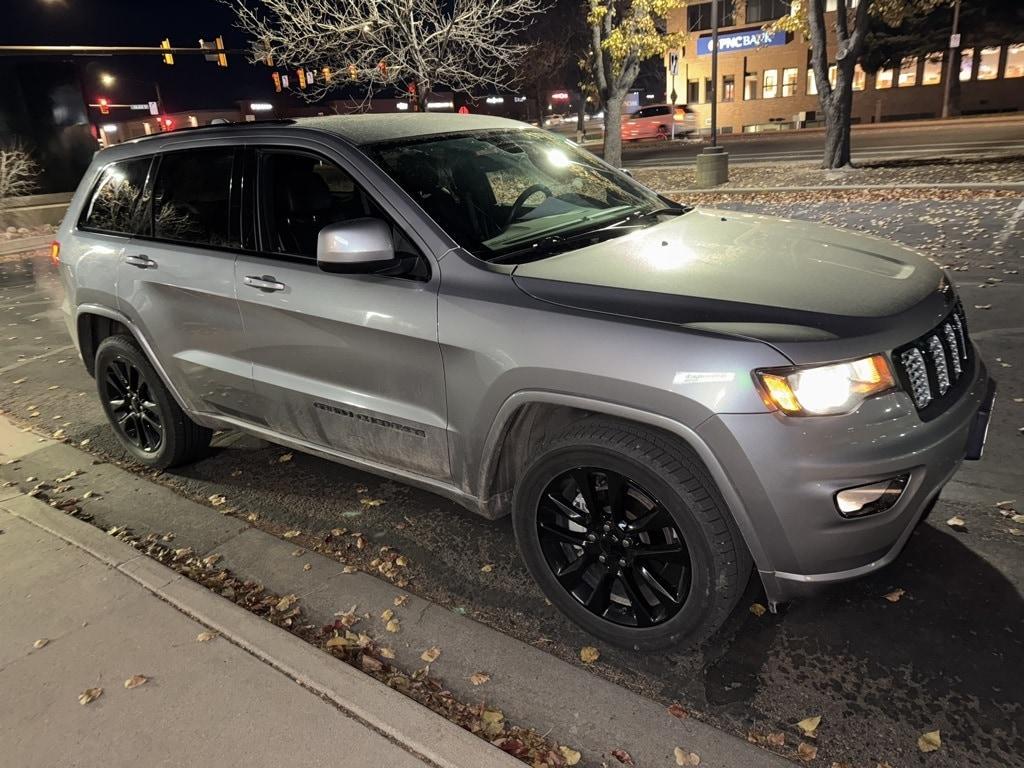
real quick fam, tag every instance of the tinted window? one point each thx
(192, 197)
(301, 195)
(114, 204)
(766, 10)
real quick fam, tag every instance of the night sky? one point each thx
(191, 83)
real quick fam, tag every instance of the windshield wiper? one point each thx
(554, 243)
(667, 210)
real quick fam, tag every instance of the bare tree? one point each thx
(461, 44)
(18, 173)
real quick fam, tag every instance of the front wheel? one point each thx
(627, 535)
(146, 419)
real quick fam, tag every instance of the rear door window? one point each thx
(114, 206)
(192, 198)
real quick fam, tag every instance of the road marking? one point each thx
(1011, 225)
(32, 359)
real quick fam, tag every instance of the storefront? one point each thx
(766, 83)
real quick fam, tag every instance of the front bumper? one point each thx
(786, 471)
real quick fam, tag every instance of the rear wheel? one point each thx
(626, 534)
(145, 417)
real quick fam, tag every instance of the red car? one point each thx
(655, 122)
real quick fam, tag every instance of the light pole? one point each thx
(713, 162)
(714, 73)
(954, 47)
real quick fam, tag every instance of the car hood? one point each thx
(793, 284)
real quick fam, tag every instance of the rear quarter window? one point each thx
(114, 204)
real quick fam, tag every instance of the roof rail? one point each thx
(221, 125)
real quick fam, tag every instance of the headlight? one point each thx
(825, 389)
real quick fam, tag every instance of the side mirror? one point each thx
(357, 245)
(627, 172)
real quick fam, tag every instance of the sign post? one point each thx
(673, 68)
(954, 47)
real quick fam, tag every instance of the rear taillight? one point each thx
(55, 253)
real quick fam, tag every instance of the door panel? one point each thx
(182, 293)
(348, 362)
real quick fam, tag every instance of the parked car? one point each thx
(656, 122)
(661, 397)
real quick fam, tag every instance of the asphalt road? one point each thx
(946, 656)
(869, 143)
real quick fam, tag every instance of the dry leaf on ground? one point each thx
(284, 458)
(757, 609)
(589, 654)
(809, 725)
(570, 755)
(286, 602)
(291, 534)
(387, 615)
(957, 523)
(685, 758)
(623, 756)
(307, 567)
(430, 655)
(40, 642)
(929, 742)
(479, 678)
(135, 681)
(217, 499)
(895, 595)
(401, 600)
(678, 711)
(393, 626)
(806, 752)
(89, 695)
(776, 739)
(487, 568)
(493, 722)
(205, 637)
(349, 569)
(371, 502)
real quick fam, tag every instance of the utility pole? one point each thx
(713, 95)
(713, 162)
(954, 48)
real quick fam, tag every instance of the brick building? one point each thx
(766, 83)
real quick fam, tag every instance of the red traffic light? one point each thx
(104, 106)
(167, 123)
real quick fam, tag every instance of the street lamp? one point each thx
(107, 79)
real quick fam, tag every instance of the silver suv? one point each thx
(661, 397)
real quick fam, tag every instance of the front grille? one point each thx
(931, 366)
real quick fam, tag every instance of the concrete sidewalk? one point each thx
(205, 703)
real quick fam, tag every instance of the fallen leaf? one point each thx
(430, 655)
(337, 641)
(349, 569)
(217, 500)
(758, 610)
(291, 534)
(678, 711)
(387, 653)
(401, 600)
(89, 695)
(307, 567)
(371, 664)
(806, 752)
(286, 602)
(493, 722)
(957, 523)
(402, 561)
(929, 742)
(571, 756)
(983, 306)
(809, 725)
(686, 758)
(589, 654)
(211, 560)
(284, 458)
(40, 642)
(479, 678)
(895, 595)
(622, 756)
(1017, 518)
(776, 739)
(387, 615)
(205, 637)
(59, 434)
(393, 626)
(487, 568)
(371, 502)
(298, 552)
(135, 681)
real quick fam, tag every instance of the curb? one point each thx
(1011, 186)
(25, 244)
(385, 710)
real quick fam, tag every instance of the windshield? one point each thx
(500, 192)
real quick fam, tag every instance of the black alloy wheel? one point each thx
(134, 409)
(613, 547)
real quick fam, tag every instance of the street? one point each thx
(944, 655)
(885, 141)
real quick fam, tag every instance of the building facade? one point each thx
(765, 82)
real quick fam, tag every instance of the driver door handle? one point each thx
(142, 261)
(265, 283)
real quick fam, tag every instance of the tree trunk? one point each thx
(581, 129)
(613, 129)
(838, 111)
(538, 99)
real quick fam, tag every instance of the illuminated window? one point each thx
(908, 73)
(988, 64)
(966, 64)
(789, 76)
(831, 5)
(750, 86)
(883, 79)
(728, 88)
(859, 78)
(1015, 61)
(932, 74)
(812, 84)
(770, 84)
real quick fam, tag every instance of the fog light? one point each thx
(870, 499)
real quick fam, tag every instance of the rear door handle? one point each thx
(265, 283)
(141, 261)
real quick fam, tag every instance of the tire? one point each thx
(148, 422)
(656, 469)
(662, 133)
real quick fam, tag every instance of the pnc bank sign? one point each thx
(740, 41)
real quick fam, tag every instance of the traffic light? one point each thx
(382, 67)
(104, 106)
(276, 77)
(167, 123)
(168, 57)
(327, 74)
(353, 72)
(222, 58)
(302, 78)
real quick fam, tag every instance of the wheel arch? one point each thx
(526, 418)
